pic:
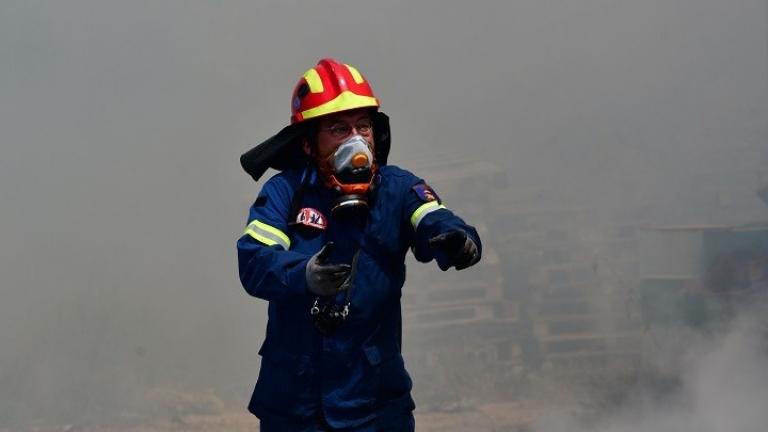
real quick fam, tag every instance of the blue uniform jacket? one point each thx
(358, 372)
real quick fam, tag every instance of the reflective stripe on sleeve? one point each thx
(424, 210)
(268, 235)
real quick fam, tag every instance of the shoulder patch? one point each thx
(425, 192)
(260, 201)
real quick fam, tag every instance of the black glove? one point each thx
(460, 250)
(325, 279)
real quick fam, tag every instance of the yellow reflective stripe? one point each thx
(314, 81)
(424, 210)
(267, 234)
(356, 75)
(346, 100)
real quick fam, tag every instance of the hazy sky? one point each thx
(121, 124)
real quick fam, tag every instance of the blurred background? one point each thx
(605, 149)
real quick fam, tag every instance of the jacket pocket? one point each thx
(392, 380)
(285, 385)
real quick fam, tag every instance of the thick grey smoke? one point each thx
(723, 387)
(121, 124)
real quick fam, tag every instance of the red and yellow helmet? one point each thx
(328, 88)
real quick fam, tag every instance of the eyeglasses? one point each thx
(342, 129)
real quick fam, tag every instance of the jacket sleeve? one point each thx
(428, 217)
(268, 268)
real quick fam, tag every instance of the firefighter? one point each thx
(325, 245)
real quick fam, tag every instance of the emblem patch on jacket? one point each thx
(311, 218)
(425, 192)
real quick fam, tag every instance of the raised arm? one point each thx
(438, 233)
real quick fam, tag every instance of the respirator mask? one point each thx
(350, 171)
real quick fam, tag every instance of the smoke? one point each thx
(121, 197)
(715, 383)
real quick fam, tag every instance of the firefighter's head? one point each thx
(339, 106)
(328, 129)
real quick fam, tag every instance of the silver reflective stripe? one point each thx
(424, 210)
(267, 234)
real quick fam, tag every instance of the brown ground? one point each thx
(491, 417)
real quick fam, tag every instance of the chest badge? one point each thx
(311, 218)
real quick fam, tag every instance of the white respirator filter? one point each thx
(354, 154)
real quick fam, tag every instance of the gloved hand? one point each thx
(460, 250)
(325, 279)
